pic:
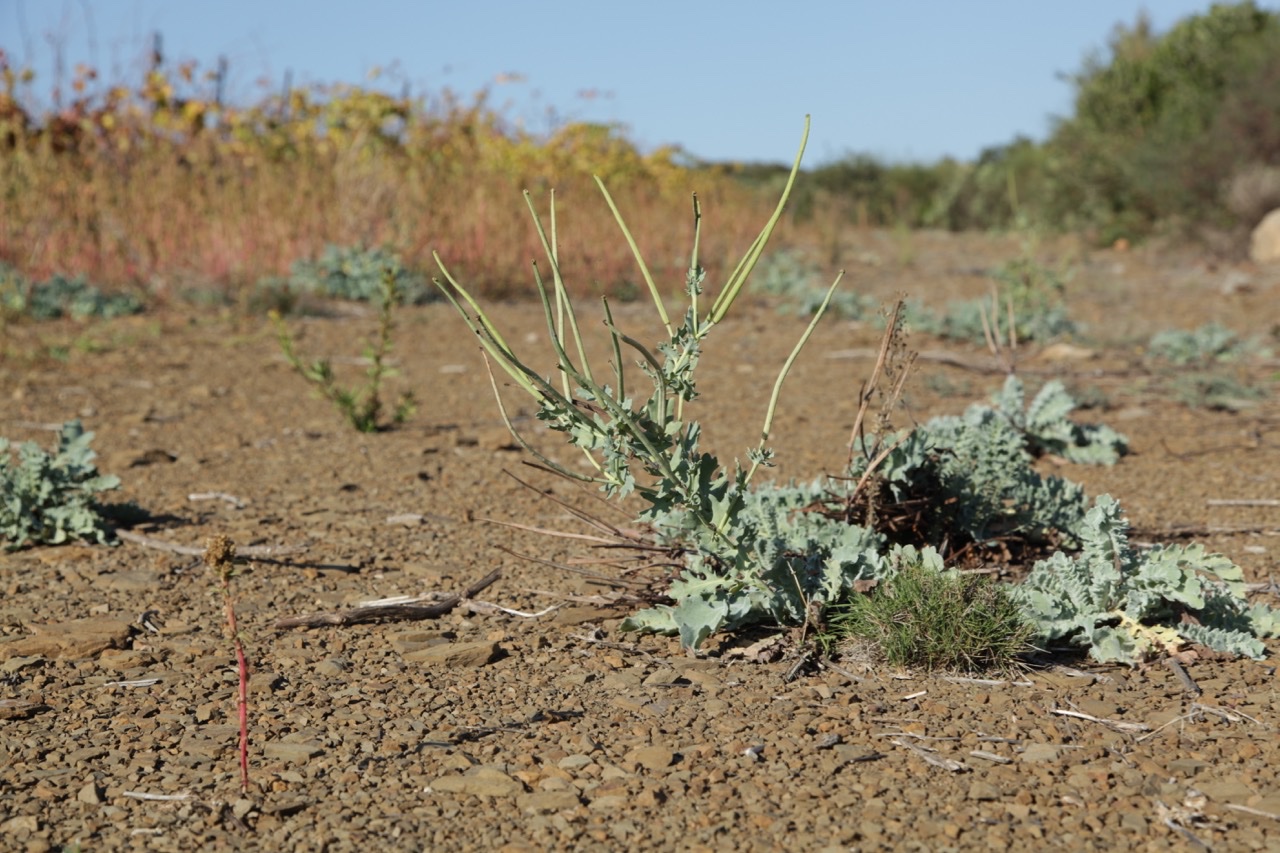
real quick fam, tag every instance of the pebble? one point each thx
(294, 753)
(458, 655)
(481, 782)
(651, 758)
(1037, 752)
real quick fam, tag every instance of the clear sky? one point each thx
(725, 79)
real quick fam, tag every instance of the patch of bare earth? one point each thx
(483, 728)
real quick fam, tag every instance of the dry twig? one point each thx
(259, 551)
(375, 612)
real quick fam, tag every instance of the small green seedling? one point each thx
(362, 406)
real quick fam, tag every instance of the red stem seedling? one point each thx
(220, 555)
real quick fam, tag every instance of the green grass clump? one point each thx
(361, 406)
(926, 618)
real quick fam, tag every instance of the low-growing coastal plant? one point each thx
(357, 273)
(792, 276)
(49, 498)
(954, 481)
(1205, 345)
(747, 552)
(690, 496)
(1215, 390)
(1125, 605)
(59, 297)
(362, 406)
(1030, 292)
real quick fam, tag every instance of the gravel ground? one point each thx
(488, 729)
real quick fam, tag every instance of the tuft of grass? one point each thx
(923, 618)
(361, 406)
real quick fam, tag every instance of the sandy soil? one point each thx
(486, 730)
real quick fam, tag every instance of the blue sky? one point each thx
(903, 80)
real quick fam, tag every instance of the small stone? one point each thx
(295, 753)
(79, 638)
(457, 655)
(1227, 790)
(90, 794)
(1040, 752)
(608, 803)
(412, 641)
(1264, 242)
(574, 762)
(137, 581)
(12, 665)
(548, 801)
(20, 824)
(242, 807)
(983, 791)
(1187, 766)
(663, 676)
(651, 758)
(481, 782)
(331, 667)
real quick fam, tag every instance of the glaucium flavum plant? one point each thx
(644, 443)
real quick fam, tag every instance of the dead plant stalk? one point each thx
(220, 555)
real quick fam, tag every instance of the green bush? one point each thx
(1205, 345)
(1162, 123)
(362, 406)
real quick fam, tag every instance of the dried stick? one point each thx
(868, 388)
(220, 555)
(236, 502)
(931, 757)
(191, 551)
(1242, 502)
(388, 612)
(1117, 725)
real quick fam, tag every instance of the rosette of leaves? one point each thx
(794, 277)
(970, 479)
(49, 498)
(1045, 425)
(1124, 605)
(1208, 344)
(355, 273)
(790, 561)
(60, 296)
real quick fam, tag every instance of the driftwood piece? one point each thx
(395, 612)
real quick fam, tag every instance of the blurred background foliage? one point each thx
(161, 187)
